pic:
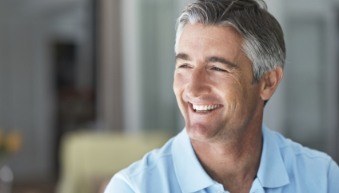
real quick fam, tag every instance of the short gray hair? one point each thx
(262, 34)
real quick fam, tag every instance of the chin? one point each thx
(200, 132)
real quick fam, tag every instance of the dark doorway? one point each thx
(75, 107)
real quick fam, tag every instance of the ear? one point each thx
(270, 82)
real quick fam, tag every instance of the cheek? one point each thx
(179, 82)
(232, 92)
(178, 85)
(240, 96)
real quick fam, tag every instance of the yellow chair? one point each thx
(89, 159)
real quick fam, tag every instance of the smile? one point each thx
(204, 108)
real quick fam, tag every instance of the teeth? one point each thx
(205, 107)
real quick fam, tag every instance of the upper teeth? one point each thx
(204, 107)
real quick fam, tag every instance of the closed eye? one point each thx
(218, 69)
(185, 65)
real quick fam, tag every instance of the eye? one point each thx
(218, 69)
(184, 65)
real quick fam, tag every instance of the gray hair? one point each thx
(262, 34)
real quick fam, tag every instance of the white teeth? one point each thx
(205, 107)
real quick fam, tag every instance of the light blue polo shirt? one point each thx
(285, 166)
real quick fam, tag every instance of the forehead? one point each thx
(209, 37)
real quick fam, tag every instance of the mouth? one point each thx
(204, 108)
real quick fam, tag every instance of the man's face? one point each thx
(213, 83)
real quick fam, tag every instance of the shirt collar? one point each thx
(192, 177)
(190, 174)
(272, 170)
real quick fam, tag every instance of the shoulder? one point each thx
(293, 151)
(306, 166)
(151, 161)
(151, 170)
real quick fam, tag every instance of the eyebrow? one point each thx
(221, 60)
(212, 59)
(182, 56)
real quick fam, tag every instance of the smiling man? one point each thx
(230, 56)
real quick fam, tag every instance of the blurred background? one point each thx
(85, 82)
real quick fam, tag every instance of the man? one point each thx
(229, 61)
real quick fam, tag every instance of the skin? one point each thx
(211, 69)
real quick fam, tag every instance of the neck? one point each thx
(233, 163)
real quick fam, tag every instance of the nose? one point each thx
(198, 84)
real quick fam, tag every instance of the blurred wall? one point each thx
(25, 95)
(27, 98)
